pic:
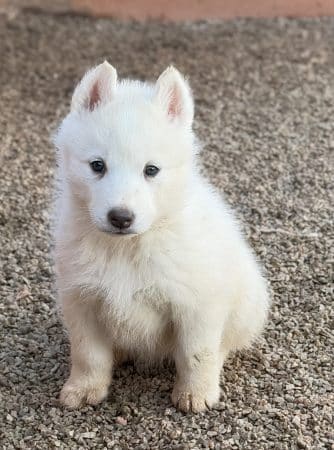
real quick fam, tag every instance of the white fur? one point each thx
(184, 285)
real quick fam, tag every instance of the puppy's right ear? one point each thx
(96, 88)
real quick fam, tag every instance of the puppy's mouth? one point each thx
(123, 232)
(118, 232)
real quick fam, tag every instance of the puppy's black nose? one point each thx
(120, 218)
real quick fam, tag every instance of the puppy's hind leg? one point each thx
(91, 356)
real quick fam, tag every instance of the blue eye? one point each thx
(151, 171)
(98, 166)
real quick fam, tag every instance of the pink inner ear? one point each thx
(174, 106)
(94, 97)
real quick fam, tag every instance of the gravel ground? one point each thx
(265, 108)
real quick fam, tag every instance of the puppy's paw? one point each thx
(79, 393)
(187, 399)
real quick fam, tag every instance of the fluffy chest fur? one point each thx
(129, 289)
(144, 326)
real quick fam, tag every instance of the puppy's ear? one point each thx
(174, 95)
(96, 88)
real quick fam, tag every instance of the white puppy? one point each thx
(150, 261)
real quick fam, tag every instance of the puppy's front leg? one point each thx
(91, 357)
(198, 362)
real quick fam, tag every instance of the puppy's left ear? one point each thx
(173, 94)
(96, 88)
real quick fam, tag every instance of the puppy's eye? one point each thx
(97, 166)
(151, 171)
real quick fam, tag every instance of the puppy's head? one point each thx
(126, 149)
